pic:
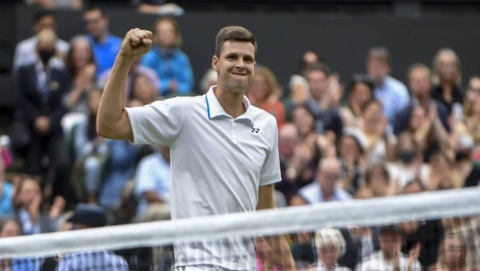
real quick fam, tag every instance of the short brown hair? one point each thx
(176, 29)
(233, 33)
(380, 54)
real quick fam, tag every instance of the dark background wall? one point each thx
(282, 37)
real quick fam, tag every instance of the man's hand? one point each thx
(136, 43)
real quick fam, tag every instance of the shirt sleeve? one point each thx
(270, 172)
(158, 123)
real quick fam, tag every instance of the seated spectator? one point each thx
(26, 50)
(353, 159)
(296, 165)
(453, 252)
(326, 118)
(82, 69)
(441, 172)
(28, 201)
(408, 161)
(447, 78)
(299, 94)
(264, 93)
(42, 87)
(419, 79)
(360, 92)
(167, 59)
(105, 45)
(89, 152)
(308, 58)
(86, 217)
(471, 107)
(390, 257)
(143, 90)
(374, 132)
(152, 186)
(427, 233)
(325, 187)
(391, 93)
(377, 178)
(330, 246)
(11, 228)
(135, 70)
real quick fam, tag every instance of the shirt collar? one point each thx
(215, 109)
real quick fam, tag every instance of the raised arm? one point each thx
(112, 119)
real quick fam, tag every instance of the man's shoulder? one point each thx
(396, 84)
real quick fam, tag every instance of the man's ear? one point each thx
(215, 63)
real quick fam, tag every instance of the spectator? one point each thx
(419, 80)
(209, 79)
(360, 92)
(11, 228)
(82, 69)
(26, 50)
(453, 252)
(352, 157)
(143, 90)
(326, 118)
(447, 78)
(264, 255)
(391, 93)
(28, 202)
(299, 94)
(158, 7)
(308, 58)
(377, 178)
(427, 233)
(441, 172)
(167, 59)
(89, 152)
(105, 45)
(390, 257)
(471, 107)
(42, 87)
(374, 132)
(135, 70)
(264, 93)
(6, 193)
(152, 186)
(408, 162)
(326, 186)
(86, 217)
(330, 246)
(296, 165)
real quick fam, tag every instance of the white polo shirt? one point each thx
(218, 164)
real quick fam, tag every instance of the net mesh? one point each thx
(426, 231)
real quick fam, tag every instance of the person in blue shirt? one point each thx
(168, 60)
(105, 45)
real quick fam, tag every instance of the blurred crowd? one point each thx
(341, 137)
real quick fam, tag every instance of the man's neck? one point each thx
(232, 103)
(103, 38)
(423, 101)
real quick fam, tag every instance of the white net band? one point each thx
(431, 205)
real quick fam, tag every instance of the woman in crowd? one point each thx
(82, 69)
(447, 78)
(360, 92)
(453, 252)
(330, 246)
(264, 93)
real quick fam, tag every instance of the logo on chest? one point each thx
(255, 130)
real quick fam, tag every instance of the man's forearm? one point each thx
(282, 254)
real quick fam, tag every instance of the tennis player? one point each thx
(224, 154)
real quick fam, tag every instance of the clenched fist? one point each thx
(136, 42)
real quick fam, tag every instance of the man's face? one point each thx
(390, 244)
(378, 70)
(318, 83)
(235, 66)
(328, 176)
(95, 23)
(165, 34)
(47, 22)
(419, 80)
